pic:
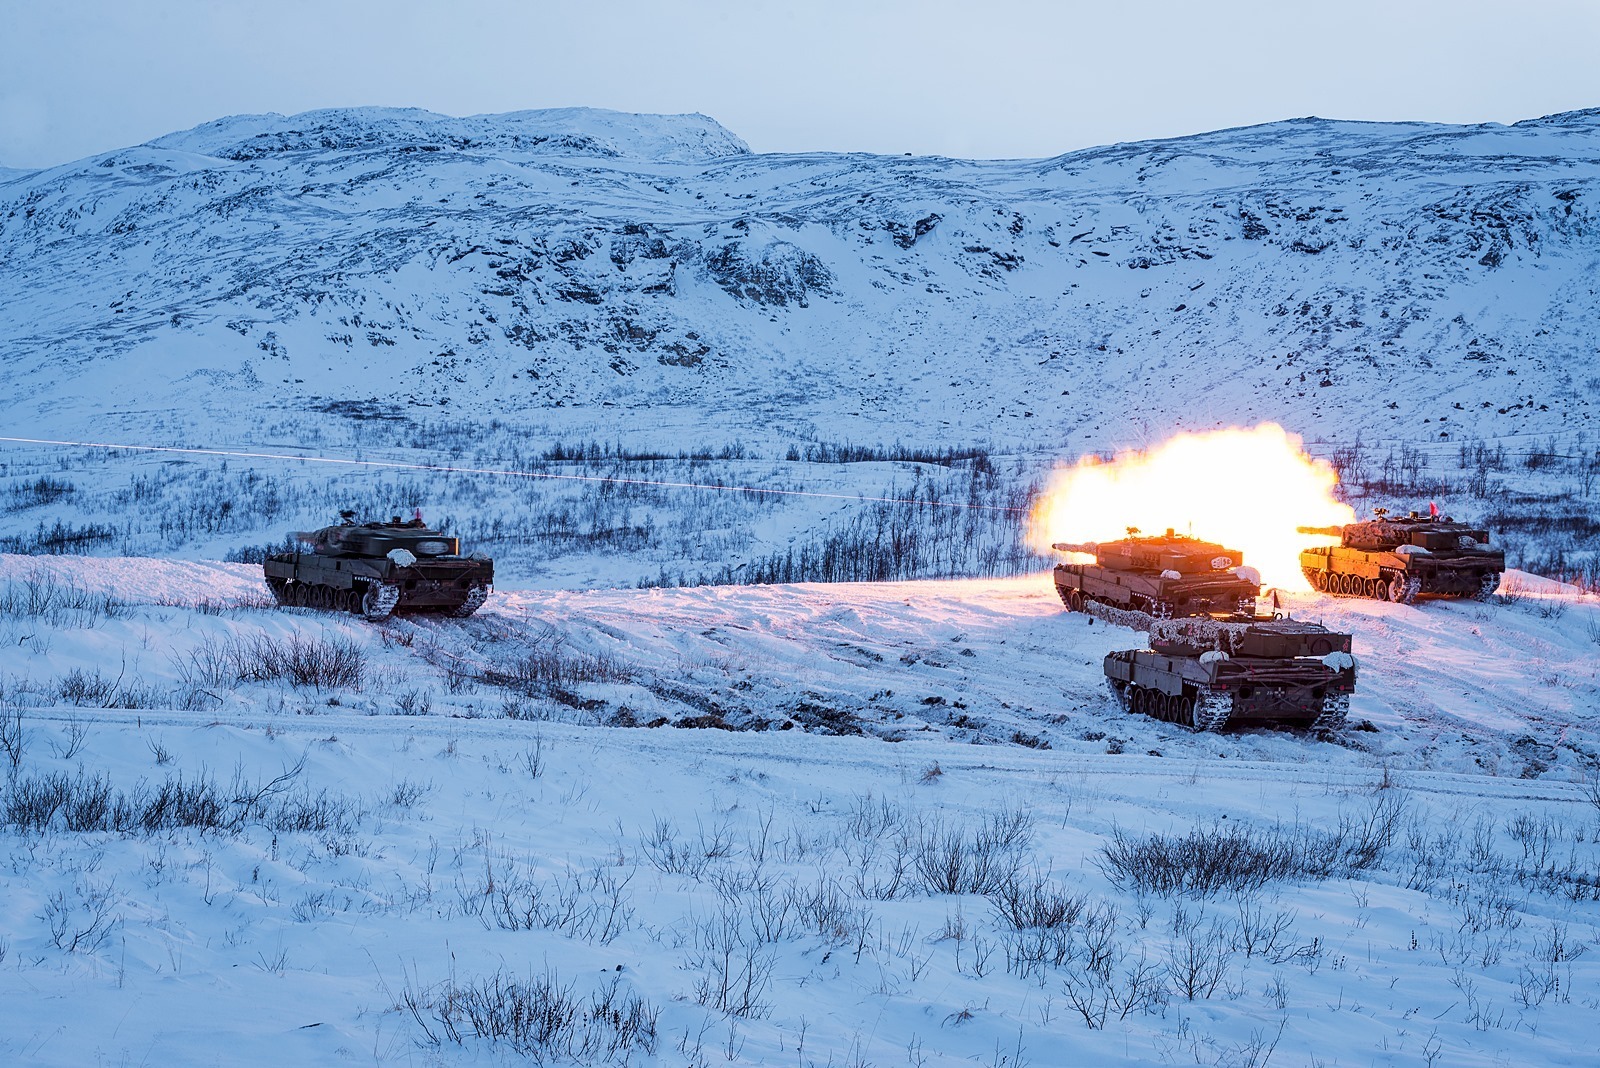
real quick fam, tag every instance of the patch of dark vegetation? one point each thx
(60, 539)
(1237, 857)
(43, 490)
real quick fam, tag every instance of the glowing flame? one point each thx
(1247, 489)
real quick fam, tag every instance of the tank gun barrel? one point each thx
(1077, 546)
(1332, 532)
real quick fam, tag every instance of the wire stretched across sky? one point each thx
(244, 454)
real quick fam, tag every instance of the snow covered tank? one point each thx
(1164, 576)
(1206, 675)
(1395, 558)
(373, 569)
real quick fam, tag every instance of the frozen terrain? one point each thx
(574, 269)
(377, 849)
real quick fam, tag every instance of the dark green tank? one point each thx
(373, 569)
(1395, 558)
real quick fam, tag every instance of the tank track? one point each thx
(379, 601)
(476, 596)
(1487, 585)
(1334, 711)
(1211, 712)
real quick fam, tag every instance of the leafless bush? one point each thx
(92, 803)
(676, 856)
(551, 668)
(1202, 863)
(539, 1018)
(828, 909)
(13, 741)
(322, 663)
(734, 963)
(952, 859)
(1119, 983)
(1198, 954)
(1211, 860)
(41, 597)
(76, 734)
(1032, 901)
(80, 920)
(511, 895)
(97, 691)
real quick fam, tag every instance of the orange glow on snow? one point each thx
(1247, 489)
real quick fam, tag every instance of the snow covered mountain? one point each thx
(1411, 280)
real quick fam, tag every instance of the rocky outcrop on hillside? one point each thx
(1390, 279)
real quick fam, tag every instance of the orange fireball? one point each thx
(1248, 489)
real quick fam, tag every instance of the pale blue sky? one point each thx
(1007, 78)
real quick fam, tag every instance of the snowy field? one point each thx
(244, 834)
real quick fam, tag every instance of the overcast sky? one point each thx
(1002, 78)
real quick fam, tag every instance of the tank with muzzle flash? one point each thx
(1164, 576)
(1398, 558)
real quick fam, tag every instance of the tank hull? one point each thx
(1397, 576)
(1141, 591)
(1203, 695)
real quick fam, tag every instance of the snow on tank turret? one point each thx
(373, 569)
(1167, 575)
(1395, 558)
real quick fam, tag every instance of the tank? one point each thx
(1207, 675)
(1396, 558)
(1164, 576)
(374, 569)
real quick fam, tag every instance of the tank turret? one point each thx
(373, 569)
(1396, 558)
(1163, 575)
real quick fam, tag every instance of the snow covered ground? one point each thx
(443, 821)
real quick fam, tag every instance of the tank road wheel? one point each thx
(1376, 589)
(476, 595)
(379, 600)
(1144, 701)
(1487, 585)
(1183, 710)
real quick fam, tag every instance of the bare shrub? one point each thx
(674, 855)
(734, 963)
(321, 663)
(41, 597)
(1198, 954)
(1211, 860)
(97, 691)
(1033, 901)
(13, 740)
(540, 1018)
(511, 895)
(828, 909)
(80, 920)
(951, 859)
(551, 668)
(92, 803)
